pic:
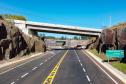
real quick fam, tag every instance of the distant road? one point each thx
(63, 67)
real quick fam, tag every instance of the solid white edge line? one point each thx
(102, 69)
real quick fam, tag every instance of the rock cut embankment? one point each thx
(13, 42)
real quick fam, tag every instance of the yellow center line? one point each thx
(52, 75)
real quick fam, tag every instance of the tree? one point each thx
(63, 38)
(84, 37)
(75, 38)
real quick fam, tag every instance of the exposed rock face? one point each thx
(107, 40)
(40, 46)
(15, 43)
(111, 39)
(121, 40)
(92, 44)
(3, 31)
(107, 36)
(121, 34)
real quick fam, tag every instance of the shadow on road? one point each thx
(69, 49)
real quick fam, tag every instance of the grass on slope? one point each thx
(116, 64)
(119, 66)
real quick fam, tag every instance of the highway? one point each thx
(60, 67)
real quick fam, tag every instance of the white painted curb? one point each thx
(113, 70)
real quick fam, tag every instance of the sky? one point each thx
(84, 13)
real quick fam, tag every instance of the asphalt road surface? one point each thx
(61, 67)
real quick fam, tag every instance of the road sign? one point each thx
(114, 54)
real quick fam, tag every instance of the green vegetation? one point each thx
(116, 64)
(84, 37)
(81, 37)
(119, 26)
(63, 38)
(100, 55)
(50, 37)
(15, 17)
(47, 37)
(77, 38)
(119, 66)
(95, 52)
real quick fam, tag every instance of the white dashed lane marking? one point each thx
(24, 75)
(81, 64)
(88, 78)
(83, 68)
(45, 61)
(13, 83)
(40, 63)
(101, 69)
(34, 68)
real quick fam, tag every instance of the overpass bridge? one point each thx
(31, 28)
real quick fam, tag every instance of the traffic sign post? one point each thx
(114, 54)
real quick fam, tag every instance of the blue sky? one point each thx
(85, 13)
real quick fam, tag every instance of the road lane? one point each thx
(75, 68)
(70, 71)
(17, 73)
(97, 76)
(39, 75)
(52, 74)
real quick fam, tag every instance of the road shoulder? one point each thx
(16, 62)
(113, 70)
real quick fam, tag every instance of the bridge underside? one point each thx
(63, 31)
(69, 33)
